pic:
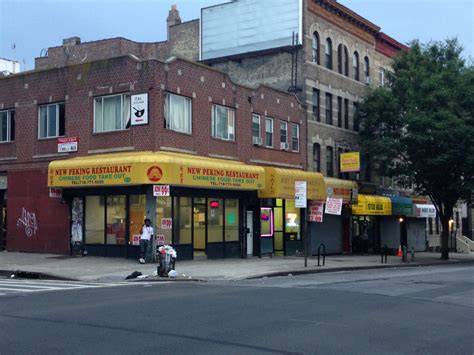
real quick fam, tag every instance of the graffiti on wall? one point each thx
(28, 221)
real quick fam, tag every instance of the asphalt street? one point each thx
(425, 310)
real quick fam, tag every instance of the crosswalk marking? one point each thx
(9, 286)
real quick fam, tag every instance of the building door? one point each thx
(3, 219)
(249, 232)
(199, 227)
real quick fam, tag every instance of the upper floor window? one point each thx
(381, 77)
(366, 69)
(283, 132)
(355, 66)
(223, 123)
(346, 113)
(346, 61)
(269, 132)
(316, 157)
(7, 126)
(339, 111)
(256, 128)
(356, 120)
(315, 48)
(111, 113)
(316, 113)
(328, 53)
(295, 137)
(329, 162)
(51, 120)
(178, 113)
(329, 108)
(340, 59)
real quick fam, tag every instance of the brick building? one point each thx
(197, 139)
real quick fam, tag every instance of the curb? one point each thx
(354, 268)
(32, 275)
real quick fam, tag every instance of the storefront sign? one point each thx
(280, 183)
(160, 239)
(139, 109)
(67, 144)
(55, 192)
(300, 194)
(333, 206)
(161, 190)
(425, 211)
(154, 168)
(315, 212)
(350, 162)
(372, 206)
(136, 239)
(166, 223)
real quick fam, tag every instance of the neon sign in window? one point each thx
(266, 222)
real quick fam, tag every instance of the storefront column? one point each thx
(151, 215)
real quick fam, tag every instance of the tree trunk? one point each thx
(445, 237)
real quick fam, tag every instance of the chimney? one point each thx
(172, 19)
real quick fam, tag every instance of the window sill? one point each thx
(109, 132)
(43, 139)
(7, 142)
(224, 140)
(179, 132)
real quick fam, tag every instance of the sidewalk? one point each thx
(101, 269)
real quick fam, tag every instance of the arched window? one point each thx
(346, 61)
(315, 51)
(355, 66)
(366, 67)
(316, 157)
(328, 53)
(340, 59)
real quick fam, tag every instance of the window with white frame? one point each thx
(283, 132)
(381, 77)
(111, 113)
(269, 132)
(7, 126)
(51, 122)
(223, 123)
(178, 113)
(295, 137)
(256, 126)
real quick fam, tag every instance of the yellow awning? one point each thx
(280, 183)
(166, 168)
(338, 188)
(372, 205)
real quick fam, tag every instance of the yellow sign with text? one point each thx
(350, 162)
(154, 168)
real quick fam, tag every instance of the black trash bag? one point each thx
(133, 275)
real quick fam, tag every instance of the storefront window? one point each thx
(278, 225)
(266, 221)
(137, 217)
(292, 218)
(95, 220)
(164, 220)
(215, 220)
(182, 220)
(115, 228)
(231, 220)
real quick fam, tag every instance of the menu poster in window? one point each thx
(136, 239)
(166, 223)
(315, 212)
(139, 109)
(333, 206)
(160, 239)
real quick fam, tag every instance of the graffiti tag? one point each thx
(28, 221)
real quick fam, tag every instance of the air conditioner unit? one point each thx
(256, 141)
(284, 146)
(368, 80)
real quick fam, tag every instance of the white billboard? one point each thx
(244, 26)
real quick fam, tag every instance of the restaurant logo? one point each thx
(154, 173)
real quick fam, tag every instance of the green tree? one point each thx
(420, 127)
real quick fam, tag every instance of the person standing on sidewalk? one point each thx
(145, 240)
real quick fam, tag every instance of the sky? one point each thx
(34, 25)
